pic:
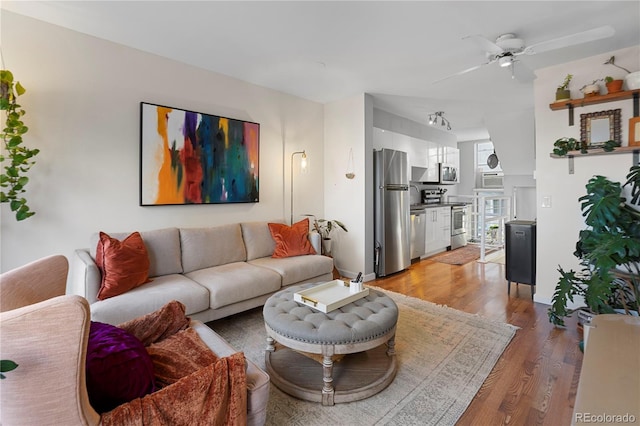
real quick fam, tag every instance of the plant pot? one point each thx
(614, 86)
(326, 246)
(563, 95)
(584, 316)
(591, 90)
(632, 81)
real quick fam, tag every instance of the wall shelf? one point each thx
(635, 150)
(609, 97)
(571, 104)
(599, 151)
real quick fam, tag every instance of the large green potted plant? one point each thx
(13, 177)
(608, 250)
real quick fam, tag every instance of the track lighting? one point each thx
(439, 115)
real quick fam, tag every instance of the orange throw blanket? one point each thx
(197, 387)
(214, 395)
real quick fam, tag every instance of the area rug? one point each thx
(459, 256)
(444, 356)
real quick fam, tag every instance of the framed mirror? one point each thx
(598, 127)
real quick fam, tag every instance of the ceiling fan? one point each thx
(508, 47)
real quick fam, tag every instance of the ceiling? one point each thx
(326, 51)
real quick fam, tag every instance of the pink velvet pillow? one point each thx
(291, 240)
(124, 264)
(119, 368)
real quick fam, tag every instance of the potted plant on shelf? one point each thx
(563, 145)
(613, 85)
(592, 89)
(13, 178)
(608, 250)
(563, 93)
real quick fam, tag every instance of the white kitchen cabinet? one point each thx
(437, 230)
(451, 155)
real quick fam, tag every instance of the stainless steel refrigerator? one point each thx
(391, 201)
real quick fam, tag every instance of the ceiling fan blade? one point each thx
(463, 72)
(570, 40)
(488, 46)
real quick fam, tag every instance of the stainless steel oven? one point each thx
(458, 226)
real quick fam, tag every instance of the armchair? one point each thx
(48, 339)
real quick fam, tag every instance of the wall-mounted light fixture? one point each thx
(438, 118)
(303, 169)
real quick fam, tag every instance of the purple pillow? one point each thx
(119, 368)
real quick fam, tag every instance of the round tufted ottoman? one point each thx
(311, 359)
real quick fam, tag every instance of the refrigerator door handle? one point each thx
(396, 187)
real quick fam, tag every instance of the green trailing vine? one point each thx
(13, 178)
(563, 145)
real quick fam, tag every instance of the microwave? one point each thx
(448, 174)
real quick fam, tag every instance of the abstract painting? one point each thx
(188, 157)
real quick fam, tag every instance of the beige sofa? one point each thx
(215, 272)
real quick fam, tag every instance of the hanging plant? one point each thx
(13, 178)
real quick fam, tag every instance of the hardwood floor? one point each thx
(535, 380)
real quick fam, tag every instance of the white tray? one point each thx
(328, 296)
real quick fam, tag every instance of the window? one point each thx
(483, 151)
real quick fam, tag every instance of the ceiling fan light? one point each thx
(505, 61)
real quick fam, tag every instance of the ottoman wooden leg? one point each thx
(327, 388)
(391, 346)
(271, 344)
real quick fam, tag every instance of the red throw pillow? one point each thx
(119, 368)
(291, 240)
(124, 264)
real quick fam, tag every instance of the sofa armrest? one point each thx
(48, 341)
(315, 240)
(85, 276)
(257, 379)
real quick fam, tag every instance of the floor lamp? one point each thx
(303, 167)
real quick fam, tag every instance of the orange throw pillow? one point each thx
(291, 240)
(124, 264)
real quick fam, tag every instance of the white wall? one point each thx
(345, 199)
(82, 106)
(559, 225)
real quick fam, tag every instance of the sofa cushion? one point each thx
(258, 239)
(291, 240)
(235, 282)
(151, 297)
(297, 268)
(163, 248)
(207, 247)
(123, 264)
(119, 369)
